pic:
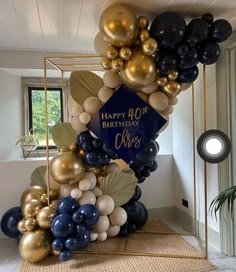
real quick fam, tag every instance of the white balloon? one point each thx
(112, 167)
(168, 110)
(85, 118)
(158, 101)
(76, 193)
(73, 107)
(118, 217)
(93, 236)
(77, 126)
(151, 88)
(92, 178)
(102, 224)
(104, 94)
(113, 231)
(87, 197)
(173, 100)
(102, 236)
(66, 189)
(105, 204)
(84, 184)
(100, 45)
(97, 191)
(92, 105)
(111, 79)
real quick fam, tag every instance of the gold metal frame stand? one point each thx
(92, 63)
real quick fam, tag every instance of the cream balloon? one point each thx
(102, 236)
(168, 110)
(91, 177)
(173, 101)
(118, 217)
(66, 189)
(143, 96)
(93, 236)
(153, 87)
(76, 193)
(111, 79)
(102, 224)
(92, 105)
(158, 101)
(84, 184)
(77, 126)
(100, 45)
(113, 231)
(112, 167)
(104, 94)
(87, 197)
(73, 107)
(105, 204)
(53, 184)
(97, 191)
(85, 118)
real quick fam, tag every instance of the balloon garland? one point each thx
(92, 197)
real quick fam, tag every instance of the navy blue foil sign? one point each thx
(126, 123)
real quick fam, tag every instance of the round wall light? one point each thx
(213, 146)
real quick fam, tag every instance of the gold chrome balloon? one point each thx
(149, 46)
(161, 81)
(74, 147)
(64, 149)
(32, 192)
(95, 171)
(21, 226)
(35, 245)
(172, 88)
(31, 208)
(45, 216)
(143, 22)
(53, 204)
(173, 75)
(106, 63)
(185, 86)
(53, 194)
(125, 53)
(66, 168)
(143, 35)
(139, 71)
(117, 65)
(112, 52)
(44, 199)
(118, 25)
(30, 223)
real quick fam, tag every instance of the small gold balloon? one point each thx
(101, 177)
(21, 226)
(172, 88)
(55, 252)
(31, 208)
(66, 168)
(95, 171)
(30, 223)
(185, 86)
(35, 245)
(44, 199)
(81, 153)
(106, 63)
(161, 81)
(112, 52)
(74, 147)
(117, 65)
(139, 71)
(53, 194)
(118, 25)
(149, 46)
(64, 149)
(45, 216)
(32, 192)
(143, 35)
(125, 53)
(143, 22)
(173, 75)
(53, 204)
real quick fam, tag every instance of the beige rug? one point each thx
(169, 248)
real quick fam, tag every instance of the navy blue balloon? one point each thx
(141, 179)
(182, 49)
(208, 17)
(67, 205)
(62, 226)
(209, 52)
(87, 146)
(96, 158)
(137, 195)
(9, 222)
(166, 63)
(199, 29)
(88, 212)
(83, 236)
(154, 166)
(191, 41)
(81, 228)
(189, 60)
(65, 255)
(147, 154)
(72, 243)
(188, 75)
(137, 214)
(84, 137)
(221, 30)
(77, 217)
(168, 29)
(58, 244)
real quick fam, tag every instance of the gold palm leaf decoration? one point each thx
(120, 186)
(63, 134)
(37, 177)
(84, 84)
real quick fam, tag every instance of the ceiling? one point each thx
(70, 25)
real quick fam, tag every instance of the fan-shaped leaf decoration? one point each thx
(63, 134)
(120, 186)
(37, 177)
(84, 84)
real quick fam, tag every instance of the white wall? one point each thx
(10, 115)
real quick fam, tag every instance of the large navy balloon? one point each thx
(62, 226)
(82, 233)
(209, 52)
(9, 222)
(72, 243)
(199, 29)
(87, 213)
(137, 213)
(221, 30)
(188, 75)
(147, 154)
(189, 60)
(67, 205)
(166, 63)
(168, 29)
(96, 158)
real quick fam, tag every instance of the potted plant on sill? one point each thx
(28, 143)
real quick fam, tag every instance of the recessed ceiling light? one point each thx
(49, 25)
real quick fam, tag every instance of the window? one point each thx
(37, 112)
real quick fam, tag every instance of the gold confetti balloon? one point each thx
(32, 192)
(35, 245)
(172, 88)
(139, 71)
(31, 208)
(149, 46)
(66, 168)
(118, 25)
(45, 216)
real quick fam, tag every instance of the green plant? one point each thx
(28, 139)
(227, 197)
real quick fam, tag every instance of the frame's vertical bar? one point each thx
(205, 163)
(46, 128)
(63, 93)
